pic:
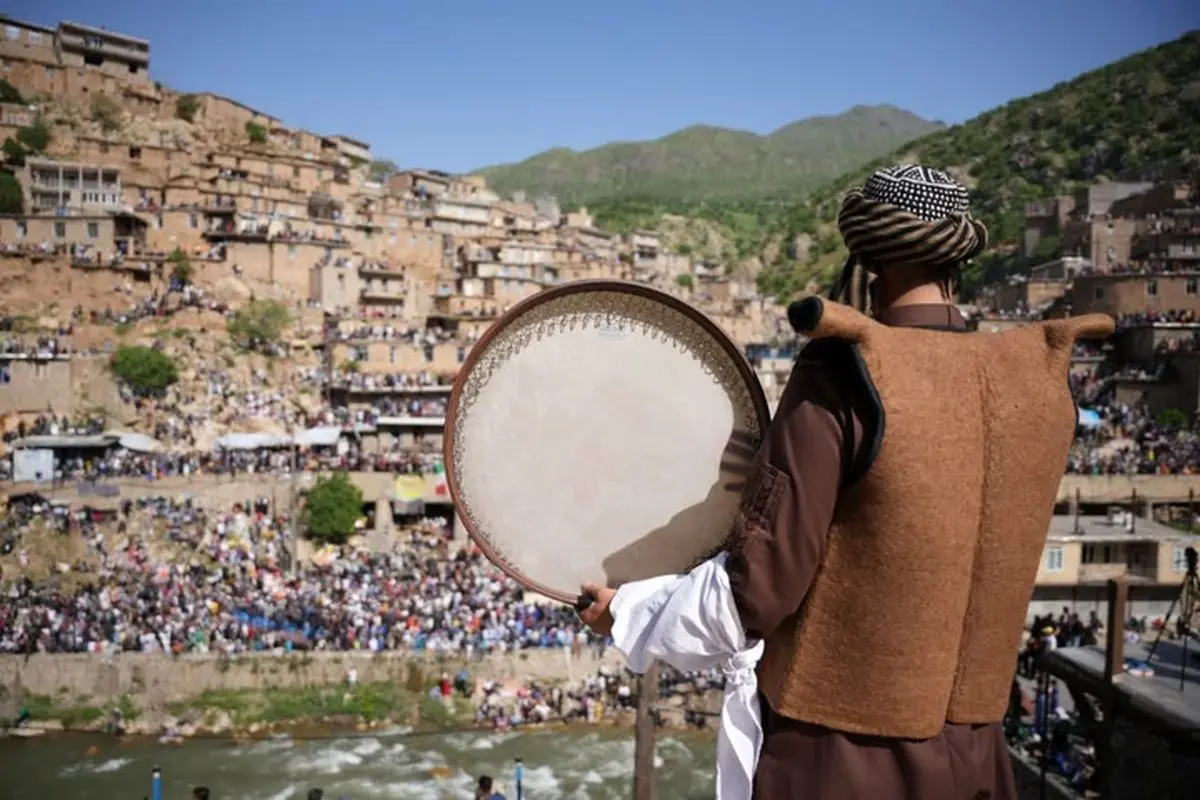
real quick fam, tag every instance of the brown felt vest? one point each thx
(916, 611)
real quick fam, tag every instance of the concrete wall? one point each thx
(1093, 489)
(152, 679)
(35, 386)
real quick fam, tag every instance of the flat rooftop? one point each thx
(1158, 698)
(1101, 529)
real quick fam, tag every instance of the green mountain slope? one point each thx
(1136, 113)
(709, 164)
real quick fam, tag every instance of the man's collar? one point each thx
(942, 316)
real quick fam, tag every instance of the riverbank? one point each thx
(412, 704)
(155, 680)
(253, 713)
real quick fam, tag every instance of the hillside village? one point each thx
(149, 216)
(297, 307)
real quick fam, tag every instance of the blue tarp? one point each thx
(1088, 418)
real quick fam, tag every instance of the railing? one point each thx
(1131, 734)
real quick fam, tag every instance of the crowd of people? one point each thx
(223, 586)
(1130, 441)
(1140, 319)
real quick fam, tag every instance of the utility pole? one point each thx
(293, 523)
(643, 746)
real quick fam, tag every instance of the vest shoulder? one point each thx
(831, 352)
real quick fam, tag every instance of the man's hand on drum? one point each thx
(597, 615)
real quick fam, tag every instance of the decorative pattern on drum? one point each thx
(602, 433)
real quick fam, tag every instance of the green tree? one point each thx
(686, 280)
(258, 323)
(106, 111)
(146, 371)
(333, 505)
(181, 268)
(14, 152)
(12, 199)
(35, 137)
(1172, 418)
(381, 169)
(256, 133)
(186, 107)
(9, 93)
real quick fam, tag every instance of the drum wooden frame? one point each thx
(565, 308)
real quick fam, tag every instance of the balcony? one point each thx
(87, 44)
(1099, 573)
(1187, 251)
(384, 294)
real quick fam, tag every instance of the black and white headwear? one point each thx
(907, 215)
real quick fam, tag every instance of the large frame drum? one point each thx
(601, 431)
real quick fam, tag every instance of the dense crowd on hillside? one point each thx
(224, 589)
(1129, 441)
(1169, 317)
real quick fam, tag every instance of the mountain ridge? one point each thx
(704, 162)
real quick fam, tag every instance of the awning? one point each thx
(137, 442)
(65, 442)
(323, 436)
(251, 441)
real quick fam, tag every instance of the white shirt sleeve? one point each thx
(691, 623)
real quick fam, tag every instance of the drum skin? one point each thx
(601, 431)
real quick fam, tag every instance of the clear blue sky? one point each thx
(458, 85)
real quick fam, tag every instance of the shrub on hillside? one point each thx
(12, 199)
(685, 280)
(186, 107)
(146, 371)
(35, 137)
(332, 507)
(9, 93)
(106, 111)
(181, 268)
(14, 152)
(256, 133)
(258, 323)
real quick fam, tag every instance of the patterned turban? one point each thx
(909, 214)
(906, 215)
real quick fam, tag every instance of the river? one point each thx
(571, 764)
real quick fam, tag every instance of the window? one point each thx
(291, 251)
(193, 221)
(360, 352)
(1151, 288)
(35, 37)
(392, 355)
(1053, 559)
(1099, 293)
(1191, 285)
(135, 152)
(22, 230)
(1179, 558)
(103, 147)
(49, 73)
(93, 230)
(295, 172)
(5, 65)
(12, 32)
(60, 230)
